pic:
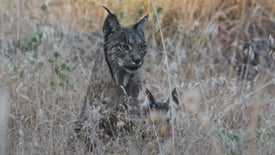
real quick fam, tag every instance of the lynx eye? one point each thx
(142, 47)
(124, 47)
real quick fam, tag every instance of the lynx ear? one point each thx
(175, 96)
(141, 24)
(111, 24)
(150, 97)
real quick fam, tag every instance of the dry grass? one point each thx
(45, 78)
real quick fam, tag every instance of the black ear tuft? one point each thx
(111, 24)
(150, 98)
(141, 24)
(107, 9)
(175, 96)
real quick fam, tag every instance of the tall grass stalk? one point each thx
(168, 76)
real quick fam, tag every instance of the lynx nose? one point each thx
(138, 61)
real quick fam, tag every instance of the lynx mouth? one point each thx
(131, 68)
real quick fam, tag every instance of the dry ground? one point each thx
(46, 55)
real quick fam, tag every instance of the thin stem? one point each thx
(168, 73)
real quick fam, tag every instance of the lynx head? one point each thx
(161, 106)
(124, 48)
